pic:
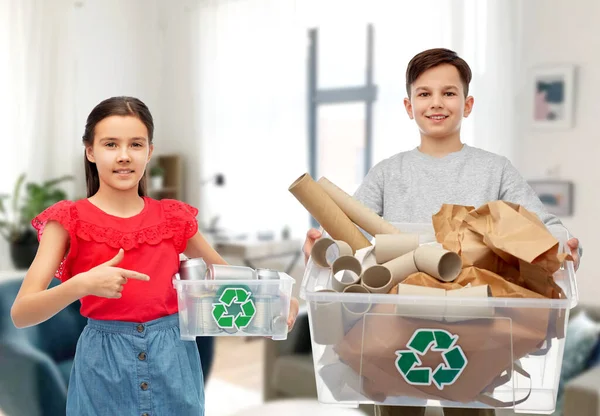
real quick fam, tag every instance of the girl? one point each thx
(117, 251)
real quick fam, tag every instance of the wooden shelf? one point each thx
(173, 178)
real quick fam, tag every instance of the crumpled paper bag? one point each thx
(506, 239)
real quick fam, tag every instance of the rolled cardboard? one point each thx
(323, 247)
(353, 311)
(442, 264)
(402, 267)
(390, 246)
(316, 201)
(377, 279)
(361, 215)
(346, 271)
(327, 321)
(457, 313)
(411, 309)
(366, 257)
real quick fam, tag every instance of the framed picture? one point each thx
(557, 196)
(553, 96)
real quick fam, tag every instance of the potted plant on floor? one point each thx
(17, 211)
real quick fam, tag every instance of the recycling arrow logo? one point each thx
(235, 308)
(408, 361)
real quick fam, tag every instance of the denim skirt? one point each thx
(137, 369)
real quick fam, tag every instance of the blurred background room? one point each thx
(247, 95)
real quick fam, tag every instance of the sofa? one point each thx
(289, 373)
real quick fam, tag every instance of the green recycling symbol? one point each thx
(235, 308)
(422, 340)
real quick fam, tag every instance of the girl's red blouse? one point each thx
(152, 241)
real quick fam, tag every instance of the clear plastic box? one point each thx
(234, 307)
(513, 347)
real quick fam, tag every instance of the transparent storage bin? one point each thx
(365, 346)
(234, 307)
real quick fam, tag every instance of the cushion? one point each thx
(595, 356)
(582, 337)
(65, 370)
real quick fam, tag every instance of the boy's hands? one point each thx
(573, 244)
(106, 280)
(311, 236)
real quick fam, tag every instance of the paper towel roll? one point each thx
(390, 246)
(323, 246)
(361, 215)
(377, 279)
(434, 311)
(346, 271)
(354, 311)
(435, 261)
(327, 321)
(464, 312)
(402, 267)
(316, 201)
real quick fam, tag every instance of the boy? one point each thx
(412, 186)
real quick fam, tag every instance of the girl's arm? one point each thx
(34, 303)
(197, 246)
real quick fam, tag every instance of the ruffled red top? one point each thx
(152, 241)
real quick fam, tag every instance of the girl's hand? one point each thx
(294, 307)
(106, 280)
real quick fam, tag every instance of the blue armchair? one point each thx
(35, 362)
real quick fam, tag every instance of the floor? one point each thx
(236, 373)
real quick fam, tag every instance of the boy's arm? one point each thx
(514, 188)
(370, 191)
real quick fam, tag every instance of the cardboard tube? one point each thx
(415, 310)
(361, 215)
(390, 246)
(377, 279)
(457, 313)
(401, 267)
(327, 321)
(346, 271)
(352, 312)
(312, 196)
(442, 264)
(323, 247)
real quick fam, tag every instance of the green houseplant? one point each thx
(17, 211)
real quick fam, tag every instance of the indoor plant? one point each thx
(17, 211)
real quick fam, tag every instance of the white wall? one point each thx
(144, 49)
(555, 31)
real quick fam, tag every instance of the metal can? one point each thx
(193, 269)
(226, 272)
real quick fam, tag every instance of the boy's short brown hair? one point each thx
(432, 58)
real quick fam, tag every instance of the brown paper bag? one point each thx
(505, 239)
(486, 344)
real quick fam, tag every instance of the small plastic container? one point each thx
(427, 351)
(256, 306)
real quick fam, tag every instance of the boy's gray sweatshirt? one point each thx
(412, 186)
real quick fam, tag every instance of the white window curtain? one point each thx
(36, 75)
(254, 99)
